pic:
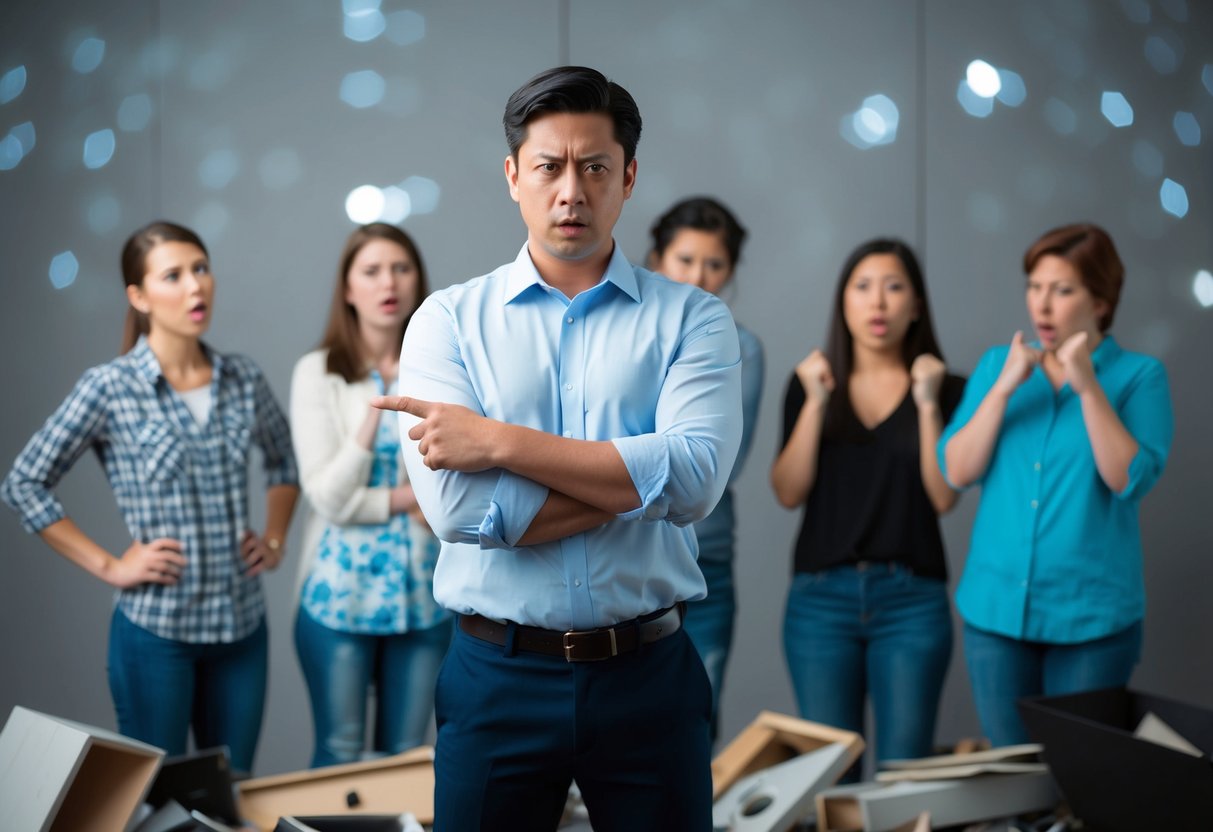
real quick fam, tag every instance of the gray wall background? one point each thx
(249, 142)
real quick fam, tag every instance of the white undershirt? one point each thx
(198, 401)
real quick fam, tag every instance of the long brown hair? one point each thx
(134, 267)
(341, 337)
(920, 337)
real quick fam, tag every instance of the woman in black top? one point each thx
(868, 611)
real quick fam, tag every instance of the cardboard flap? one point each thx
(772, 739)
(391, 785)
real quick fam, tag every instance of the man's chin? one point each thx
(572, 251)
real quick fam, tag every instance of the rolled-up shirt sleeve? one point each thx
(682, 468)
(50, 453)
(1147, 416)
(491, 509)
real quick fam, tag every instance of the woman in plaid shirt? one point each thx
(172, 423)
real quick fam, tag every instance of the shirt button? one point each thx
(577, 582)
(568, 434)
(1023, 584)
(1036, 466)
(569, 319)
(1034, 504)
(568, 387)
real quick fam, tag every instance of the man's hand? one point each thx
(449, 436)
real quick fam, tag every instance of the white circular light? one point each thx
(1202, 287)
(983, 79)
(365, 204)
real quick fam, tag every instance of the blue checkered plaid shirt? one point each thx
(172, 478)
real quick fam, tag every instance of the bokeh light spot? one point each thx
(134, 113)
(1187, 129)
(63, 270)
(1202, 288)
(972, 103)
(1013, 92)
(1116, 109)
(1060, 116)
(396, 205)
(1174, 198)
(99, 149)
(983, 79)
(103, 214)
(364, 26)
(11, 152)
(25, 133)
(405, 27)
(12, 83)
(362, 89)
(219, 168)
(1163, 54)
(88, 55)
(1147, 159)
(424, 194)
(364, 204)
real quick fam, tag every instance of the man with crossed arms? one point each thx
(571, 415)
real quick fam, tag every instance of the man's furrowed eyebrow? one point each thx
(593, 158)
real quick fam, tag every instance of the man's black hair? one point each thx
(572, 89)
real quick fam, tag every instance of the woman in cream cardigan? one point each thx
(367, 614)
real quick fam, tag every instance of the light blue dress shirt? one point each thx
(1056, 555)
(649, 364)
(717, 531)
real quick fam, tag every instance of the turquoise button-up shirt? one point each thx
(1055, 555)
(651, 365)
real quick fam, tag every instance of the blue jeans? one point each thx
(873, 630)
(709, 623)
(1002, 670)
(162, 687)
(515, 728)
(340, 669)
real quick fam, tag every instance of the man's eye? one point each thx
(595, 168)
(171, 276)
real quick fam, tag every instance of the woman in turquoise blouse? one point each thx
(1065, 435)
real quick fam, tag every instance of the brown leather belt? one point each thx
(579, 645)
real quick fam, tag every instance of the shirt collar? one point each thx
(523, 275)
(148, 366)
(1105, 353)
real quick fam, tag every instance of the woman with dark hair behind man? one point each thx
(1065, 435)
(367, 616)
(868, 613)
(698, 241)
(172, 422)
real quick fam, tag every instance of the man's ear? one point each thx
(511, 175)
(629, 178)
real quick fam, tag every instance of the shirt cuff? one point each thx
(1140, 470)
(515, 502)
(647, 458)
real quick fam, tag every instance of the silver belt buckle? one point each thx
(568, 645)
